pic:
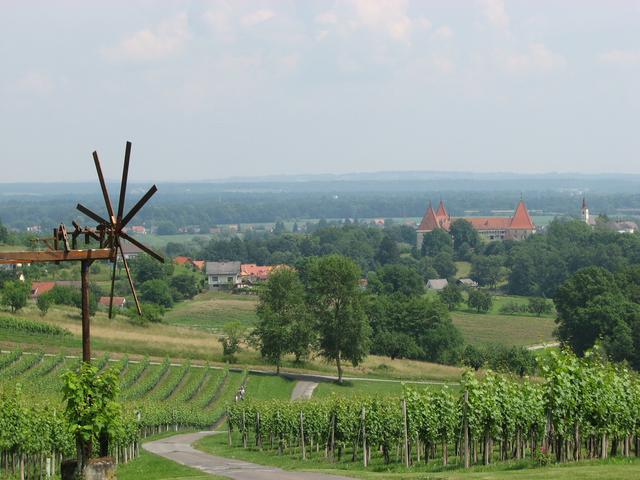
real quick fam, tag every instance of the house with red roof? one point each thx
(517, 227)
(251, 273)
(118, 302)
(40, 288)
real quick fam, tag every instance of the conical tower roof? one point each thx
(521, 218)
(429, 221)
(442, 211)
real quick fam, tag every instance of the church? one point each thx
(516, 227)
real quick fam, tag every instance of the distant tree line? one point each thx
(210, 209)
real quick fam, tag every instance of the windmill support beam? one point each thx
(57, 256)
(86, 321)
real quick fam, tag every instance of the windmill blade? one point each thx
(91, 214)
(123, 183)
(103, 186)
(142, 247)
(133, 289)
(138, 206)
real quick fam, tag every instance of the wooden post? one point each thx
(465, 427)
(304, 453)
(364, 438)
(86, 322)
(244, 430)
(228, 429)
(406, 433)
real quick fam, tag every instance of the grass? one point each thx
(463, 269)
(267, 387)
(209, 311)
(149, 466)
(364, 387)
(617, 468)
(481, 329)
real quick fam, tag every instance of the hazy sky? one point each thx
(215, 89)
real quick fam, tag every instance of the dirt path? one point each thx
(178, 448)
(303, 390)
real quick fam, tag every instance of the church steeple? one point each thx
(585, 211)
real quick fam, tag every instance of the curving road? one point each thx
(179, 449)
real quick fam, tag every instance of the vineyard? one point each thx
(580, 409)
(156, 398)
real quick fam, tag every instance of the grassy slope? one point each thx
(506, 329)
(624, 469)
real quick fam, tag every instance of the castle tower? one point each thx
(585, 211)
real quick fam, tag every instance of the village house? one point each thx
(251, 273)
(517, 227)
(118, 302)
(129, 250)
(223, 275)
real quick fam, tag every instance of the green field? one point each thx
(478, 329)
(211, 310)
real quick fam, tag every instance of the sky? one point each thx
(214, 89)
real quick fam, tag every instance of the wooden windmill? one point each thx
(108, 233)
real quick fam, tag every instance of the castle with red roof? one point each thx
(517, 227)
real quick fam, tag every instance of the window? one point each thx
(229, 279)
(213, 279)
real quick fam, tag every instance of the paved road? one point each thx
(178, 448)
(543, 345)
(303, 390)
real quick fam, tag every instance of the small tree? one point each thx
(539, 306)
(282, 318)
(480, 300)
(451, 296)
(43, 302)
(15, 294)
(91, 408)
(232, 334)
(473, 357)
(156, 291)
(336, 302)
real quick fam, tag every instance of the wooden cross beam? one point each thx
(58, 256)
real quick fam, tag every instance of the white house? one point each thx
(223, 274)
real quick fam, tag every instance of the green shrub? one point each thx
(31, 326)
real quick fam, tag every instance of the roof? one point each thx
(223, 268)
(199, 264)
(429, 221)
(442, 211)
(489, 223)
(253, 270)
(117, 301)
(40, 288)
(181, 260)
(129, 248)
(521, 218)
(437, 283)
(468, 282)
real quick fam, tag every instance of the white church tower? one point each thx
(585, 211)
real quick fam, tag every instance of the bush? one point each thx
(480, 300)
(539, 306)
(512, 307)
(151, 313)
(31, 326)
(15, 294)
(43, 302)
(232, 336)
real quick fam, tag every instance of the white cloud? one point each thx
(620, 57)
(254, 18)
(220, 22)
(538, 58)
(161, 41)
(443, 33)
(496, 13)
(386, 17)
